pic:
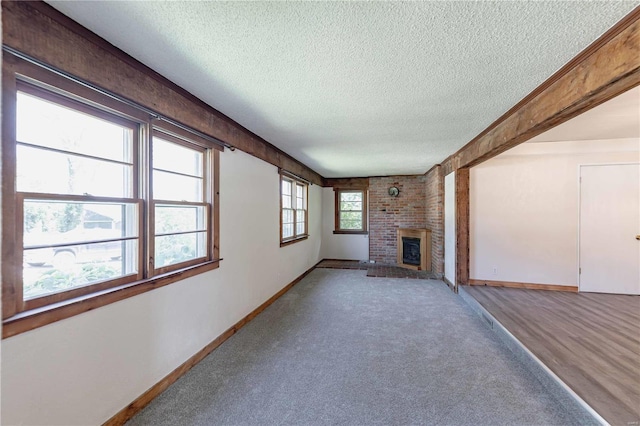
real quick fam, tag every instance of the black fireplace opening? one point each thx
(411, 251)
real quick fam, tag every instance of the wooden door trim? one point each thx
(524, 286)
(462, 227)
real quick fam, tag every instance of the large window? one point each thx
(97, 197)
(293, 203)
(351, 211)
(77, 192)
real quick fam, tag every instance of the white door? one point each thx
(610, 228)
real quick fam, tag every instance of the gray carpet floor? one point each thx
(342, 348)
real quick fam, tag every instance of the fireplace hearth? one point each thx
(414, 248)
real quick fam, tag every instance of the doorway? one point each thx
(609, 249)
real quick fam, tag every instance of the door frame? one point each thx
(580, 166)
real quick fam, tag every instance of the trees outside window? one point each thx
(350, 211)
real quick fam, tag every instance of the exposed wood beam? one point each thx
(38, 30)
(447, 165)
(347, 183)
(462, 227)
(605, 69)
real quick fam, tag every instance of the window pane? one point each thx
(172, 249)
(300, 225)
(57, 173)
(286, 201)
(177, 158)
(351, 216)
(286, 187)
(287, 230)
(172, 187)
(45, 123)
(287, 216)
(350, 224)
(170, 218)
(351, 196)
(351, 220)
(351, 205)
(52, 270)
(300, 216)
(299, 197)
(56, 222)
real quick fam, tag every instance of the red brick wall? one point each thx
(435, 217)
(386, 213)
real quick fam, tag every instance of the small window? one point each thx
(351, 211)
(293, 203)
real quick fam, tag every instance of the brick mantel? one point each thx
(387, 213)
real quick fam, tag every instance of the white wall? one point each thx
(450, 227)
(339, 246)
(524, 209)
(84, 369)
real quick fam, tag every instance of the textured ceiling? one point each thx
(618, 118)
(355, 88)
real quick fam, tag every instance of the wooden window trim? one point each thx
(35, 76)
(365, 217)
(295, 181)
(166, 129)
(191, 262)
(32, 319)
(70, 100)
(355, 232)
(20, 316)
(181, 138)
(15, 278)
(52, 298)
(293, 240)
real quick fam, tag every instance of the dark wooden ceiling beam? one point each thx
(605, 69)
(608, 67)
(39, 30)
(347, 183)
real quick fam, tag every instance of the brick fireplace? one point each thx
(387, 213)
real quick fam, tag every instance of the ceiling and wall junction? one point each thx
(354, 88)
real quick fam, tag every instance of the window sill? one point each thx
(34, 318)
(338, 231)
(295, 240)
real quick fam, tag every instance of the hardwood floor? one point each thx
(591, 341)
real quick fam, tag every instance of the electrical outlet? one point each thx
(495, 270)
